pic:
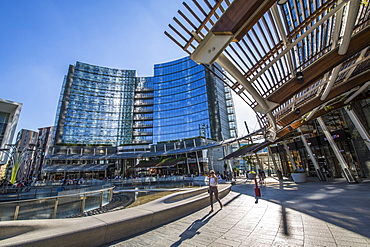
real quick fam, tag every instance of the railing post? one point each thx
(55, 208)
(110, 195)
(83, 204)
(16, 212)
(101, 199)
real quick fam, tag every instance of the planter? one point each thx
(252, 175)
(299, 177)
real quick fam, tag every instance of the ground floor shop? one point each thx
(329, 146)
(192, 158)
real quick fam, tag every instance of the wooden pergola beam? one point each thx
(317, 70)
(240, 17)
(322, 112)
(352, 83)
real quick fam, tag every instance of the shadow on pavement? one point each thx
(336, 202)
(193, 229)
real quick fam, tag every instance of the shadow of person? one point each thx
(193, 229)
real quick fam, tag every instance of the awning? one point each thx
(155, 164)
(247, 150)
(146, 164)
(169, 163)
(75, 168)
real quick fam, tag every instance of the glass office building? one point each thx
(96, 106)
(116, 119)
(189, 101)
(114, 107)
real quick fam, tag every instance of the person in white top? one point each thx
(213, 182)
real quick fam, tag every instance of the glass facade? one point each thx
(189, 101)
(96, 106)
(104, 106)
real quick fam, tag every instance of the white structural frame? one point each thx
(350, 178)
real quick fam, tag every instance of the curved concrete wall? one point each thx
(105, 228)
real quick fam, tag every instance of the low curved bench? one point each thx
(108, 227)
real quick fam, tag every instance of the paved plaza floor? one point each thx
(333, 213)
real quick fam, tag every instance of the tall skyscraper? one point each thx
(105, 106)
(189, 101)
(97, 104)
(114, 118)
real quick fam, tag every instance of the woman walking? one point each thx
(213, 182)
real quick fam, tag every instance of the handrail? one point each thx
(35, 206)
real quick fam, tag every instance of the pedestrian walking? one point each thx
(213, 183)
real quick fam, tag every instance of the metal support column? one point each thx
(289, 155)
(212, 157)
(260, 165)
(196, 155)
(312, 157)
(337, 153)
(226, 150)
(187, 162)
(359, 126)
(277, 171)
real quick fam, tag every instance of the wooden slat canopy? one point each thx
(270, 45)
(241, 16)
(324, 64)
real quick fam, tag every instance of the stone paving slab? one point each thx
(315, 213)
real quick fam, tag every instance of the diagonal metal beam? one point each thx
(330, 84)
(353, 9)
(360, 90)
(279, 24)
(232, 70)
(299, 39)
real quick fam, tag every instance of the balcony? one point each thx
(142, 133)
(144, 102)
(143, 117)
(141, 142)
(144, 89)
(143, 110)
(143, 125)
(144, 96)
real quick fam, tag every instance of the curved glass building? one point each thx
(113, 118)
(97, 107)
(114, 107)
(189, 101)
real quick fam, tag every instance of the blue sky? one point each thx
(41, 38)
